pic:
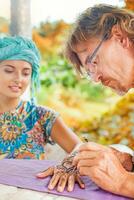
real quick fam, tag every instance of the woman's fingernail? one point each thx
(70, 189)
(59, 189)
(50, 187)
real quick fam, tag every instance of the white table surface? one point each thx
(14, 193)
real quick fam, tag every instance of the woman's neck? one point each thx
(7, 104)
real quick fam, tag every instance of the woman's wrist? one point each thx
(76, 148)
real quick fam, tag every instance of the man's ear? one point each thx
(120, 36)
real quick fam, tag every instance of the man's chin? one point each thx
(119, 92)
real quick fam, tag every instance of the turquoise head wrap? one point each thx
(20, 48)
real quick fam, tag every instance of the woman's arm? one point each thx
(64, 136)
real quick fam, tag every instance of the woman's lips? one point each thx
(15, 88)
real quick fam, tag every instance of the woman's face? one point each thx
(15, 76)
(112, 65)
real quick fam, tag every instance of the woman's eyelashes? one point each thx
(27, 72)
(24, 72)
(8, 71)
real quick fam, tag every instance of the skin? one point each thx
(113, 66)
(15, 77)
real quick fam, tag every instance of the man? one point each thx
(101, 46)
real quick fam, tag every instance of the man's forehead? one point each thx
(85, 46)
(82, 47)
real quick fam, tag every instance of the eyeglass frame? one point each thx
(89, 59)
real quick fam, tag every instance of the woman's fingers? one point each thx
(45, 173)
(61, 179)
(54, 180)
(71, 182)
(62, 182)
(79, 181)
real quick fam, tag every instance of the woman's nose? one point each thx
(17, 77)
(16, 81)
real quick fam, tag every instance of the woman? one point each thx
(101, 46)
(25, 127)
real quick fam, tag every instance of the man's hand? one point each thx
(102, 165)
(124, 158)
(62, 175)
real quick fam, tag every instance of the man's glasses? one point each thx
(86, 72)
(89, 59)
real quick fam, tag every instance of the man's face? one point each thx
(112, 65)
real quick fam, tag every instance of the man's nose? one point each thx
(95, 77)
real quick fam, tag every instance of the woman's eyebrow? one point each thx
(7, 65)
(12, 66)
(26, 68)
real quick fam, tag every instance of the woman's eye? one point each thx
(8, 71)
(26, 73)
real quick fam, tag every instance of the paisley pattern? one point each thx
(25, 130)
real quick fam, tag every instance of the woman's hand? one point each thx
(102, 165)
(62, 175)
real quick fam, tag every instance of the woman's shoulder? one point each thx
(29, 106)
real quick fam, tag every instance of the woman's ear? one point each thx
(119, 36)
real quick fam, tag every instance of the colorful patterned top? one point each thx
(25, 131)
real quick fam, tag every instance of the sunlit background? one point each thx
(67, 10)
(92, 111)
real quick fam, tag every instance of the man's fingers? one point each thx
(71, 182)
(85, 155)
(62, 182)
(91, 146)
(54, 180)
(79, 181)
(88, 163)
(45, 173)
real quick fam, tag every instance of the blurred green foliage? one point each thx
(56, 70)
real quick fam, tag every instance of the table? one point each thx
(22, 174)
(14, 193)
